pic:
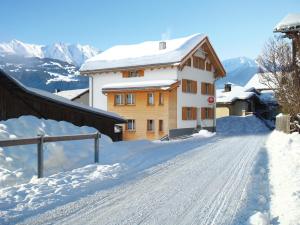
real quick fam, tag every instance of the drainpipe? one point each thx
(91, 91)
(215, 103)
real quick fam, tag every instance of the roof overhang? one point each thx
(149, 87)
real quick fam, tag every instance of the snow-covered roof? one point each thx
(72, 94)
(289, 23)
(255, 82)
(61, 100)
(146, 53)
(236, 93)
(161, 84)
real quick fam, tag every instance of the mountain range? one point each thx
(238, 71)
(74, 54)
(56, 66)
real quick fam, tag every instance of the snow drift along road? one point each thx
(213, 181)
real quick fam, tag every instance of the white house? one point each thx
(160, 87)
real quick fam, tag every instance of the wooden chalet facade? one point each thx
(17, 100)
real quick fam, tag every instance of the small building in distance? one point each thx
(240, 101)
(17, 100)
(77, 95)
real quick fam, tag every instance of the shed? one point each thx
(16, 100)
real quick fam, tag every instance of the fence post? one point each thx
(40, 156)
(97, 137)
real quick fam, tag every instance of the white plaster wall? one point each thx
(193, 100)
(100, 100)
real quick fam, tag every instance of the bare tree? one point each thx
(281, 73)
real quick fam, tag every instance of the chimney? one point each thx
(227, 87)
(162, 45)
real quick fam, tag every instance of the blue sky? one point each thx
(236, 28)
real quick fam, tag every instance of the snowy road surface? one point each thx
(207, 185)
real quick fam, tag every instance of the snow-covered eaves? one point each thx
(146, 53)
(72, 94)
(63, 101)
(236, 93)
(140, 85)
(289, 23)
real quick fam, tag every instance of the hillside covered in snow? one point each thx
(43, 73)
(74, 54)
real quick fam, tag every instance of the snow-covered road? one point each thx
(207, 185)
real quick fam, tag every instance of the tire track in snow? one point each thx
(202, 186)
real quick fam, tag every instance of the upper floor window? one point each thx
(150, 98)
(207, 89)
(130, 99)
(119, 99)
(208, 66)
(189, 86)
(132, 73)
(198, 62)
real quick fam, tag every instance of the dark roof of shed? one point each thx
(63, 101)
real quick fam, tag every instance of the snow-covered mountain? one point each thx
(74, 54)
(43, 73)
(239, 71)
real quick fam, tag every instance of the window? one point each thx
(161, 98)
(150, 98)
(130, 125)
(119, 99)
(133, 73)
(207, 113)
(198, 62)
(161, 125)
(208, 66)
(207, 89)
(130, 99)
(189, 86)
(189, 113)
(150, 125)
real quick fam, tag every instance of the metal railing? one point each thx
(41, 139)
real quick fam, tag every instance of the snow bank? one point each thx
(284, 154)
(203, 133)
(259, 219)
(238, 125)
(18, 164)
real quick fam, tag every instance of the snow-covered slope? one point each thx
(43, 73)
(75, 54)
(239, 71)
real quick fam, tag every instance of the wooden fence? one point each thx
(283, 123)
(41, 139)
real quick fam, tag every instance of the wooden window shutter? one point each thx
(211, 113)
(184, 85)
(141, 73)
(194, 113)
(212, 89)
(184, 113)
(125, 73)
(195, 87)
(203, 88)
(203, 114)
